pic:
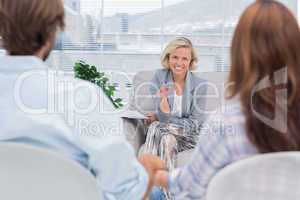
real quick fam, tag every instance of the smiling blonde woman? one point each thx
(178, 96)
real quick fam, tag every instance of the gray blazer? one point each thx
(193, 100)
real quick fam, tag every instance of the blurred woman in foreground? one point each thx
(265, 80)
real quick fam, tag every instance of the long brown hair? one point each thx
(267, 40)
(26, 25)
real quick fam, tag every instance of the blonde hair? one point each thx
(180, 42)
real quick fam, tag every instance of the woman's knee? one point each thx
(168, 140)
(154, 124)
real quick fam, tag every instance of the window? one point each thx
(122, 37)
(129, 35)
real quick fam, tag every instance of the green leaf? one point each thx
(118, 100)
(77, 66)
(111, 87)
(109, 93)
(104, 80)
(101, 74)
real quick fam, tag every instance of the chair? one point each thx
(273, 176)
(31, 173)
(142, 101)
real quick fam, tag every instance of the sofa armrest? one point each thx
(183, 157)
(135, 132)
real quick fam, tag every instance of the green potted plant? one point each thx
(89, 73)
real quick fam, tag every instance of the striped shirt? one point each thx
(222, 141)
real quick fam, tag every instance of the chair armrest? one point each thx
(135, 132)
(183, 157)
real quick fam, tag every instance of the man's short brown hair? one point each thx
(26, 25)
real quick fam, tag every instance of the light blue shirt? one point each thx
(222, 141)
(47, 109)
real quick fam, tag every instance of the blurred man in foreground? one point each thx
(28, 114)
